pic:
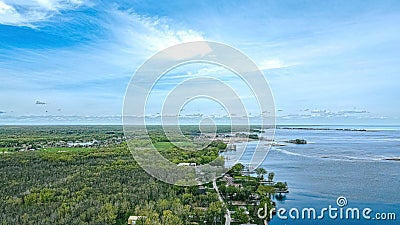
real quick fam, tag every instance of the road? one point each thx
(228, 218)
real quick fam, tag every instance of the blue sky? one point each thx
(327, 62)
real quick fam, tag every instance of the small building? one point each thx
(133, 219)
(267, 182)
(228, 179)
(202, 190)
(187, 164)
(231, 147)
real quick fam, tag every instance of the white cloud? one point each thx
(29, 12)
(78, 76)
(135, 31)
(10, 16)
(132, 39)
(323, 113)
(274, 64)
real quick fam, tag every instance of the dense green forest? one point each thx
(17, 138)
(99, 184)
(91, 185)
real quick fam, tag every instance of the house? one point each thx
(133, 219)
(202, 190)
(228, 179)
(187, 164)
(231, 147)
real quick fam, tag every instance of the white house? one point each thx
(133, 219)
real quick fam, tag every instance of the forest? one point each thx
(97, 184)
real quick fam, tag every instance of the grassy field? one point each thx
(163, 146)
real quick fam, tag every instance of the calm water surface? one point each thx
(337, 163)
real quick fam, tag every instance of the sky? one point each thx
(326, 62)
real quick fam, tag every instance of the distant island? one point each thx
(297, 141)
(322, 128)
(393, 159)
